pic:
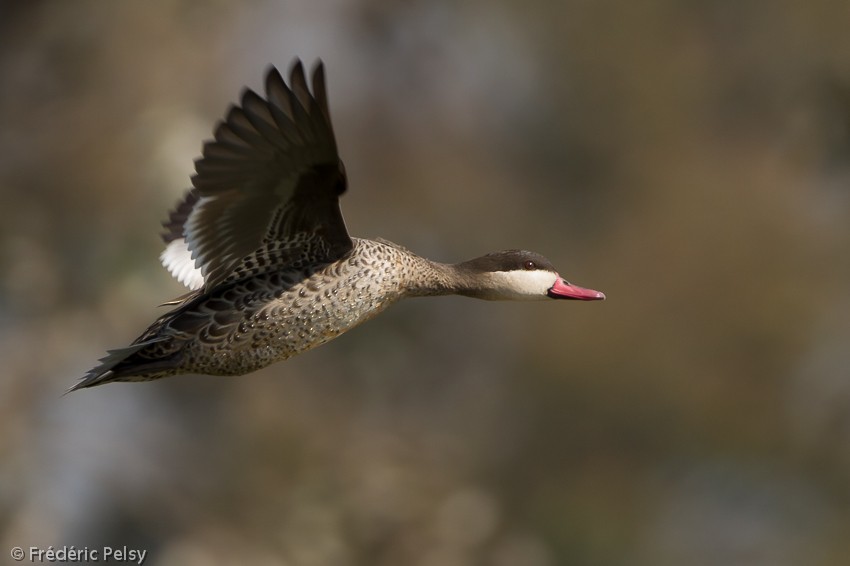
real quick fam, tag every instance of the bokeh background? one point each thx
(688, 158)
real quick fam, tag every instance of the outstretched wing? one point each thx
(266, 191)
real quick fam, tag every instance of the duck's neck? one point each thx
(417, 276)
(431, 278)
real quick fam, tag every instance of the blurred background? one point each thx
(689, 159)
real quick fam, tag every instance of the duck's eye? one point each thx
(529, 265)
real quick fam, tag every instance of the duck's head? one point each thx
(519, 275)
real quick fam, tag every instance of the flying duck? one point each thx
(261, 243)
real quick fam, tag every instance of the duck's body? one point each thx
(274, 273)
(248, 324)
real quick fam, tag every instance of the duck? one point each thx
(261, 243)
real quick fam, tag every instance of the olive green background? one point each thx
(689, 159)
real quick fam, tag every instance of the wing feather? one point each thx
(267, 186)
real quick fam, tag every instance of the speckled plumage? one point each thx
(261, 242)
(248, 324)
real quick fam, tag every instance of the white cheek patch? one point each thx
(523, 285)
(177, 259)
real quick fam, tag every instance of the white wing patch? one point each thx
(177, 259)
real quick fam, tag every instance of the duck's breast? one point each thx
(330, 301)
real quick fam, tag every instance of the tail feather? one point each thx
(108, 369)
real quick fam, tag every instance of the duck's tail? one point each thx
(126, 364)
